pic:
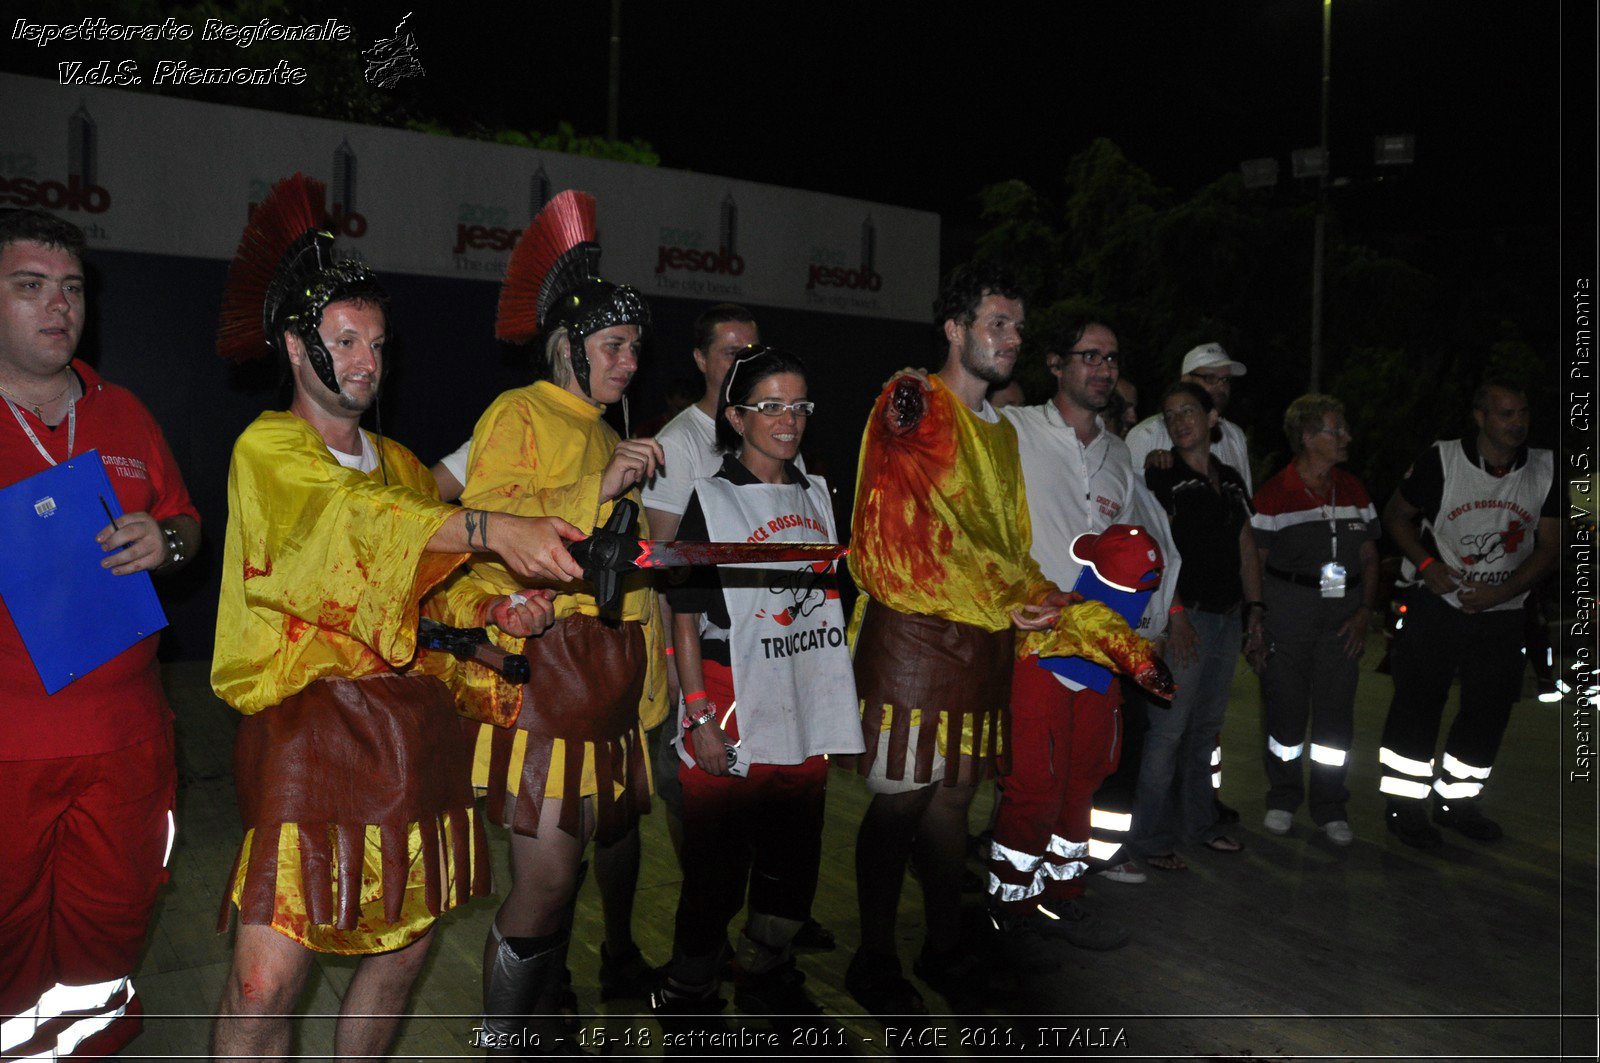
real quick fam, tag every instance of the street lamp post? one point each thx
(1395, 149)
(1319, 237)
(614, 80)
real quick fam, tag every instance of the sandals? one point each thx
(1167, 862)
(1223, 844)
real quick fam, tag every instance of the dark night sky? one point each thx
(923, 104)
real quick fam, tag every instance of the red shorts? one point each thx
(86, 841)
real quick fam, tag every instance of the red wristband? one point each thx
(1177, 607)
(690, 699)
(1430, 559)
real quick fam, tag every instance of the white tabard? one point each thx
(796, 694)
(1485, 528)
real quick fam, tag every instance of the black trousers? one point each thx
(1436, 644)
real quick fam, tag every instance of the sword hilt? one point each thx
(472, 644)
(608, 552)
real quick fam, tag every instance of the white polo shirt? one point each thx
(1075, 488)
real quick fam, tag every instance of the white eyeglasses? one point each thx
(774, 408)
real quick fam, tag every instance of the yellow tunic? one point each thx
(941, 528)
(323, 568)
(541, 451)
(323, 573)
(941, 524)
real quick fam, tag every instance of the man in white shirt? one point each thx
(721, 334)
(1080, 479)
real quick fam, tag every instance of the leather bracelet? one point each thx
(1430, 559)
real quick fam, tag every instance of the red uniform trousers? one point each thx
(85, 841)
(1063, 745)
(762, 832)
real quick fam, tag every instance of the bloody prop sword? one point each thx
(610, 551)
(472, 644)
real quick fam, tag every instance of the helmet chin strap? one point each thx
(579, 361)
(321, 360)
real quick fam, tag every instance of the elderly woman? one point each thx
(1219, 588)
(1317, 531)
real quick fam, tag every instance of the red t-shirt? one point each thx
(121, 702)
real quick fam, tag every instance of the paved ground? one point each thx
(1291, 949)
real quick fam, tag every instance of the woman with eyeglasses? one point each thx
(1219, 588)
(1317, 531)
(768, 695)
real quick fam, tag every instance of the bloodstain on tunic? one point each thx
(940, 525)
(907, 464)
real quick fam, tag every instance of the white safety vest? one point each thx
(1486, 524)
(796, 693)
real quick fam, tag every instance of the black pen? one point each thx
(109, 517)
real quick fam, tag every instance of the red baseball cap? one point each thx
(1123, 556)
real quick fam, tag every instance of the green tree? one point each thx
(1402, 348)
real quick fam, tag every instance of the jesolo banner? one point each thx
(176, 177)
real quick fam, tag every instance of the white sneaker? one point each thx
(1278, 821)
(1127, 871)
(1339, 832)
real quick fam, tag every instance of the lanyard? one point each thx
(1332, 510)
(72, 430)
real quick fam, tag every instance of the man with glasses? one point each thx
(942, 550)
(1079, 479)
(1209, 366)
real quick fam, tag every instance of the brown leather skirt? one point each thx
(342, 754)
(947, 671)
(583, 701)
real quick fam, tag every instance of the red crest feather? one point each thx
(292, 209)
(556, 253)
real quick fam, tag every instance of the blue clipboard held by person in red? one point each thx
(72, 614)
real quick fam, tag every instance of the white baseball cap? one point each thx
(1210, 356)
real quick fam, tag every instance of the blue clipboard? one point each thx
(72, 614)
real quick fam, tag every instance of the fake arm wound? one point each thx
(1096, 632)
(907, 402)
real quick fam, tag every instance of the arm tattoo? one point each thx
(477, 522)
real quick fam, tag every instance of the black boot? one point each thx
(1466, 817)
(1407, 820)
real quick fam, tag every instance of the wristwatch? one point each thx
(174, 545)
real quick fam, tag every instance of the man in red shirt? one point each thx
(90, 777)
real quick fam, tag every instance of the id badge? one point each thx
(1332, 582)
